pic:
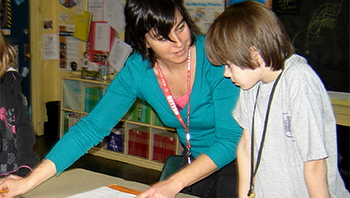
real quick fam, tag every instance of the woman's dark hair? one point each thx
(141, 16)
(247, 26)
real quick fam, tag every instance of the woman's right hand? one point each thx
(13, 187)
(19, 186)
(10, 176)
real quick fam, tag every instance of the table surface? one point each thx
(78, 180)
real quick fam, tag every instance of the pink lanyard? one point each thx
(171, 101)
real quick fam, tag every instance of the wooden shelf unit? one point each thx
(73, 108)
(341, 107)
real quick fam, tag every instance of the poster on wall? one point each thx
(100, 42)
(268, 3)
(68, 47)
(204, 12)
(50, 51)
(111, 11)
(69, 3)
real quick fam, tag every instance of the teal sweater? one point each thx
(212, 128)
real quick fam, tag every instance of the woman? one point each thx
(169, 63)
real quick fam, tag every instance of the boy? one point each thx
(288, 147)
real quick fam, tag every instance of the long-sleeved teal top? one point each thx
(212, 128)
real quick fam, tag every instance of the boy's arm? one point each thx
(243, 161)
(315, 173)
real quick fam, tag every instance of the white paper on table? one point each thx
(103, 192)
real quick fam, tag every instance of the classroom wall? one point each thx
(45, 75)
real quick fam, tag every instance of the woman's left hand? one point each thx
(162, 189)
(199, 169)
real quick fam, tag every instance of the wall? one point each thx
(45, 75)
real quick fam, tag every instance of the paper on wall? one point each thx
(109, 6)
(117, 18)
(102, 36)
(204, 12)
(96, 8)
(50, 49)
(119, 53)
(68, 47)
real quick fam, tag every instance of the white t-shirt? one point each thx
(301, 127)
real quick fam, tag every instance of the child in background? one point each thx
(17, 137)
(289, 144)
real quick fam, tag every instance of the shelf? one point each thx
(341, 107)
(74, 111)
(139, 138)
(94, 81)
(149, 125)
(113, 155)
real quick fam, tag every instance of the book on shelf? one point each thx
(164, 145)
(140, 112)
(72, 95)
(70, 119)
(138, 143)
(93, 95)
(115, 140)
(157, 120)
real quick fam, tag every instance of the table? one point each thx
(79, 180)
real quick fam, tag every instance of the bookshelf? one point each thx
(139, 138)
(341, 107)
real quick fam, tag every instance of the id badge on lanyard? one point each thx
(172, 104)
